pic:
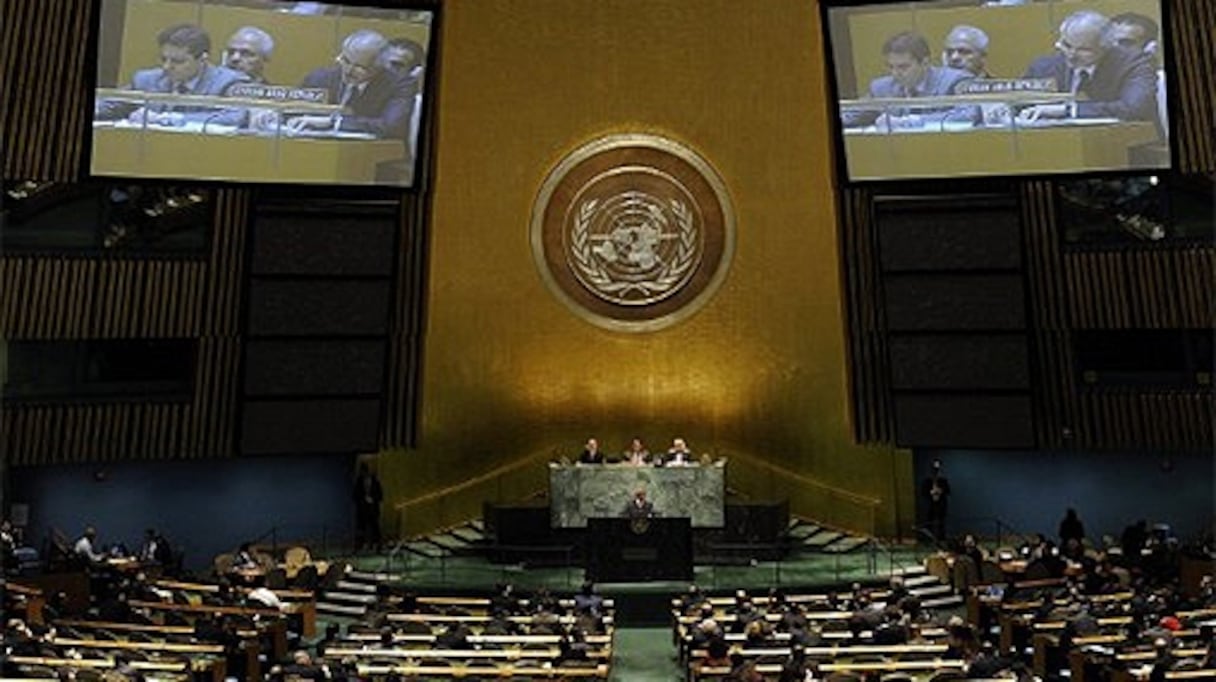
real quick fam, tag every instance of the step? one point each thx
(349, 597)
(351, 586)
(846, 543)
(803, 530)
(477, 525)
(448, 542)
(468, 535)
(326, 607)
(426, 549)
(910, 570)
(823, 538)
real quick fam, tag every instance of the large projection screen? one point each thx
(943, 88)
(260, 91)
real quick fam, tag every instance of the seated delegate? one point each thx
(1108, 80)
(910, 75)
(375, 99)
(185, 70)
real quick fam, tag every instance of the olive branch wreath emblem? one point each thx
(668, 277)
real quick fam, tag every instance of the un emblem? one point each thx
(633, 232)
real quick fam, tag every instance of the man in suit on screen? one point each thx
(375, 99)
(1108, 80)
(184, 70)
(911, 74)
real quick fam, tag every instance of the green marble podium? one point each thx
(578, 492)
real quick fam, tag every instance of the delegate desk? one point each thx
(580, 492)
(217, 151)
(158, 152)
(949, 149)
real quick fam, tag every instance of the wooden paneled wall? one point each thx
(45, 68)
(44, 298)
(1156, 287)
(1192, 23)
(870, 388)
(408, 320)
(1161, 288)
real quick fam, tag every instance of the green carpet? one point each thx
(805, 569)
(644, 655)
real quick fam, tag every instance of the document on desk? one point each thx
(331, 135)
(1067, 122)
(196, 127)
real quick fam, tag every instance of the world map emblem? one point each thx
(633, 232)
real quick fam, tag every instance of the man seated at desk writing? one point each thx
(910, 75)
(376, 99)
(1108, 80)
(184, 70)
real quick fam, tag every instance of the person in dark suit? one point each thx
(184, 53)
(1109, 81)
(910, 74)
(639, 507)
(375, 99)
(367, 495)
(936, 489)
(591, 453)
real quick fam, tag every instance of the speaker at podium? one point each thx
(639, 549)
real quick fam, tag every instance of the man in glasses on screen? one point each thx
(248, 50)
(184, 70)
(911, 74)
(374, 99)
(1108, 80)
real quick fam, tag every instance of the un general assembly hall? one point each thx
(635, 340)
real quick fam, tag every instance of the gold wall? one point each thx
(513, 378)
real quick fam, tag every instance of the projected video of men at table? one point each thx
(943, 88)
(259, 91)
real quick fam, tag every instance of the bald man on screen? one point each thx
(375, 99)
(1108, 80)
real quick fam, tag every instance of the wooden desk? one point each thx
(460, 671)
(305, 610)
(840, 651)
(129, 627)
(459, 654)
(33, 599)
(278, 629)
(993, 151)
(361, 639)
(166, 153)
(892, 666)
(434, 618)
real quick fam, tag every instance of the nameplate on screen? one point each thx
(983, 86)
(280, 93)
